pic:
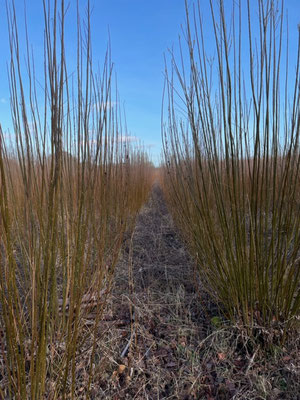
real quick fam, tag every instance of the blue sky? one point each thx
(141, 31)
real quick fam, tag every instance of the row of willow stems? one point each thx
(70, 186)
(232, 160)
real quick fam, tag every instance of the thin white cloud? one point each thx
(145, 146)
(3, 100)
(128, 139)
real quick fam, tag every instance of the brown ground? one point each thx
(175, 351)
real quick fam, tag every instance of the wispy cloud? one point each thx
(128, 139)
(142, 146)
(3, 100)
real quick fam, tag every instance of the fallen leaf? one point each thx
(121, 368)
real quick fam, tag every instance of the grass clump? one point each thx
(69, 186)
(232, 175)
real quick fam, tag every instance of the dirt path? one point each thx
(160, 322)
